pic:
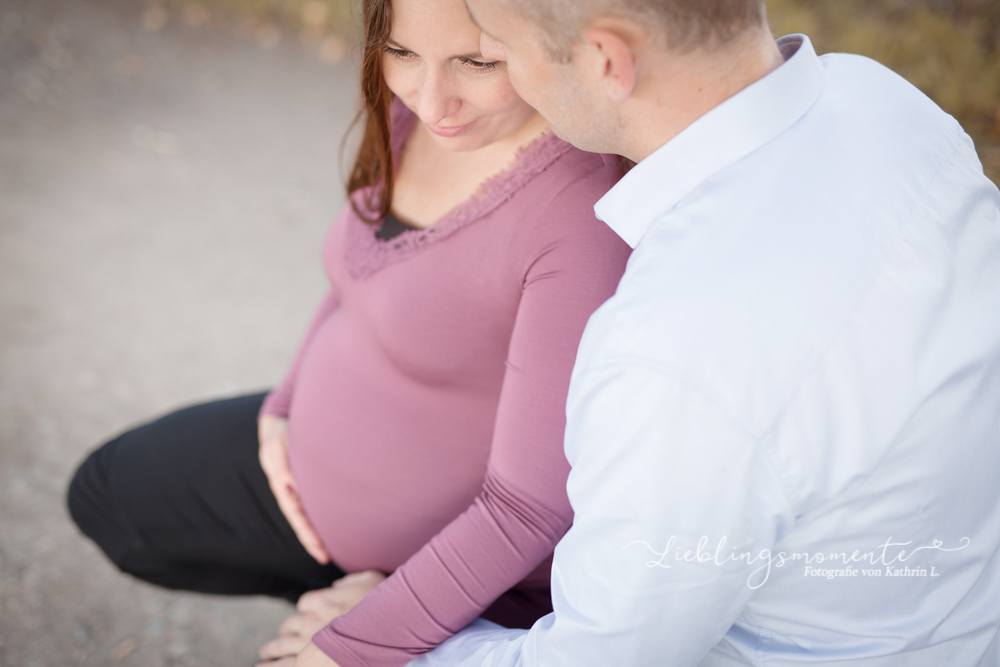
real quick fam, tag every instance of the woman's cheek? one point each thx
(397, 80)
(499, 96)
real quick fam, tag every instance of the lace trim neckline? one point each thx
(366, 254)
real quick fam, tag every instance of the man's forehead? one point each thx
(472, 16)
(487, 10)
(500, 19)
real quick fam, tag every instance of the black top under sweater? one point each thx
(391, 228)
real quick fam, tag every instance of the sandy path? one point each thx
(163, 196)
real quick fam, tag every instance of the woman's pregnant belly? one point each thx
(383, 461)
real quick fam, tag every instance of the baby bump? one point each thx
(383, 463)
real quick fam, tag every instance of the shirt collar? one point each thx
(724, 135)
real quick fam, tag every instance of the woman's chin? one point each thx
(461, 143)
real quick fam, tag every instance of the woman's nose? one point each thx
(437, 99)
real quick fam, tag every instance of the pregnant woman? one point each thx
(418, 433)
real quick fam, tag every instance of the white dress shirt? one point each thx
(785, 426)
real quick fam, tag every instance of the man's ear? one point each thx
(490, 48)
(614, 57)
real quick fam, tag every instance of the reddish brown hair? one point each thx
(373, 166)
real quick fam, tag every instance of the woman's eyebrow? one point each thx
(472, 55)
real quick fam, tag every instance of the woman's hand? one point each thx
(309, 657)
(273, 453)
(316, 609)
(313, 657)
(329, 603)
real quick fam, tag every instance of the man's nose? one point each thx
(491, 48)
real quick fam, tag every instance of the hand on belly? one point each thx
(316, 609)
(273, 435)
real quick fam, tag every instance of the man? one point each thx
(784, 427)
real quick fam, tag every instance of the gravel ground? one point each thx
(165, 184)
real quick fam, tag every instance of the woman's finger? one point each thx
(367, 579)
(327, 610)
(273, 456)
(344, 595)
(303, 625)
(352, 579)
(291, 626)
(283, 662)
(308, 600)
(308, 537)
(316, 602)
(282, 647)
(288, 503)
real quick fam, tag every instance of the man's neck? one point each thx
(675, 90)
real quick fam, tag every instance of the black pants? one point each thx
(182, 502)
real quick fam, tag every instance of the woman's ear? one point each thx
(490, 48)
(613, 57)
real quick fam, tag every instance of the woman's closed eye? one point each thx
(399, 54)
(478, 64)
(471, 63)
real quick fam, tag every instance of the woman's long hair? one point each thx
(373, 166)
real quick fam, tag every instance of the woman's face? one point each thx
(433, 64)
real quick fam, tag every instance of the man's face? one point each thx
(570, 102)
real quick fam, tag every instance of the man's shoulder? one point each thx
(871, 137)
(755, 275)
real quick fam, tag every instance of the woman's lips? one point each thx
(452, 131)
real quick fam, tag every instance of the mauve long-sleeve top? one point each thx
(426, 404)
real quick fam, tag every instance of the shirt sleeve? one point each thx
(677, 509)
(279, 400)
(512, 526)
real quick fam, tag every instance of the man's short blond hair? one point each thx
(680, 25)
